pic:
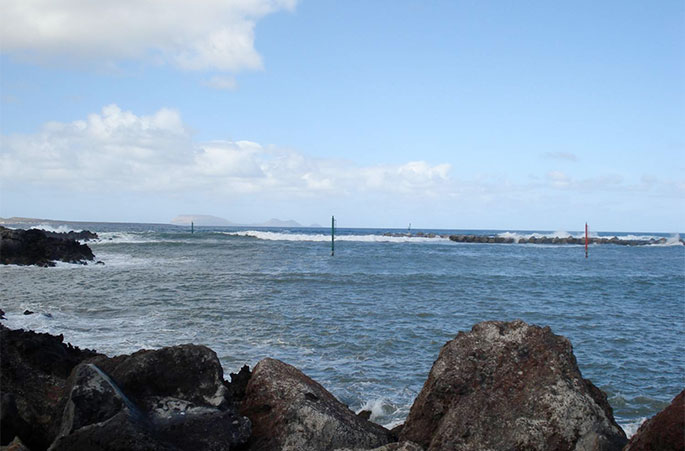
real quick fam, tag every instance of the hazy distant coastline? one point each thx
(215, 221)
(180, 220)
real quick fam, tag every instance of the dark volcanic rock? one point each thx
(400, 446)
(118, 433)
(171, 398)
(15, 445)
(33, 372)
(83, 235)
(189, 372)
(34, 247)
(290, 411)
(664, 431)
(510, 386)
(11, 422)
(238, 384)
(98, 415)
(191, 427)
(55, 394)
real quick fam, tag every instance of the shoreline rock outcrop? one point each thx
(503, 385)
(508, 385)
(41, 248)
(291, 412)
(34, 368)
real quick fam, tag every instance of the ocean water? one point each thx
(369, 322)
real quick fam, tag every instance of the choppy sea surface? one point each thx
(369, 322)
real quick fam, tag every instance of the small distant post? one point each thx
(192, 227)
(332, 236)
(586, 240)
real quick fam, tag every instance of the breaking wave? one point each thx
(279, 236)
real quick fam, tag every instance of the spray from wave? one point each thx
(279, 236)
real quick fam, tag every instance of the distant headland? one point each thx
(215, 221)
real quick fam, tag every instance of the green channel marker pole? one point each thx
(332, 236)
(192, 227)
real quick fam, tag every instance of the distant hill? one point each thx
(208, 220)
(201, 220)
(273, 222)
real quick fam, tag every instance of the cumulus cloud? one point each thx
(226, 83)
(117, 149)
(195, 35)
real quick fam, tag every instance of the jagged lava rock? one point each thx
(664, 431)
(290, 411)
(399, 446)
(34, 247)
(190, 372)
(33, 373)
(171, 398)
(98, 416)
(509, 385)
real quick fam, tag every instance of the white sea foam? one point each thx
(122, 238)
(63, 228)
(673, 240)
(631, 427)
(517, 236)
(279, 236)
(385, 412)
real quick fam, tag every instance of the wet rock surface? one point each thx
(664, 431)
(508, 385)
(503, 385)
(290, 411)
(189, 372)
(34, 368)
(37, 247)
(171, 398)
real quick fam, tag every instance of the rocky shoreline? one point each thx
(502, 385)
(43, 248)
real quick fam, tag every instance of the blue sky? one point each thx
(446, 114)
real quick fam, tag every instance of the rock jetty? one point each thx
(41, 248)
(503, 385)
(497, 239)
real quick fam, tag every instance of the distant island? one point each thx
(215, 221)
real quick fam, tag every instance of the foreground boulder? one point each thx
(34, 247)
(33, 374)
(508, 385)
(173, 398)
(664, 431)
(290, 411)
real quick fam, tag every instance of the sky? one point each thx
(526, 115)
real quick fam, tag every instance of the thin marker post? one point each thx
(586, 240)
(332, 236)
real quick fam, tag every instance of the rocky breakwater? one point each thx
(500, 386)
(41, 248)
(556, 240)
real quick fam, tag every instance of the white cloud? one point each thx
(195, 35)
(117, 149)
(154, 156)
(225, 83)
